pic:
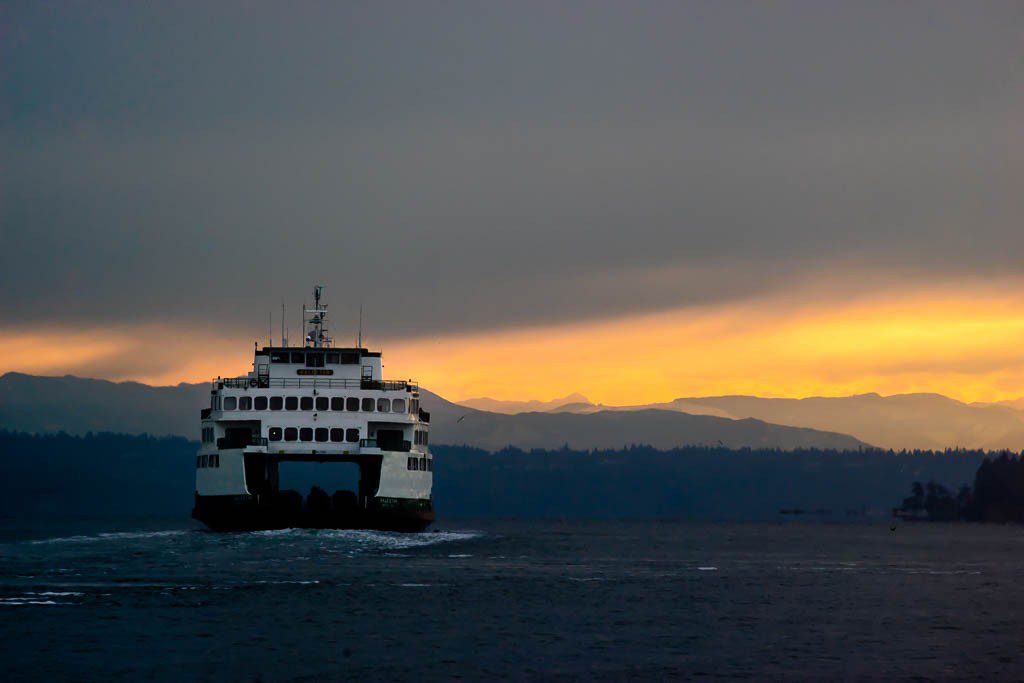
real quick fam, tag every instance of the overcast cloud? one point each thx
(467, 167)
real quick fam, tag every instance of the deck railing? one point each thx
(228, 442)
(394, 446)
(312, 382)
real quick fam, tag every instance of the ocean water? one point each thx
(164, 600)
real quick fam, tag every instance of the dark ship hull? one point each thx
(288, 510)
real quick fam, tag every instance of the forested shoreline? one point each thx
(117, 474)
(996, 496)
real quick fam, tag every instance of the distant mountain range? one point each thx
(460, 425)
(906, 421)
(77, 405)
(513, 407)
(903, 421)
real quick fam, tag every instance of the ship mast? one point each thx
(317, 336)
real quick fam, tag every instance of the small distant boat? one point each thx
(314, 403)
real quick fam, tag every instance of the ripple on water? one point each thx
(111, 536)
(371, 540)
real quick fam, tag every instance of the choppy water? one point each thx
(524, 600)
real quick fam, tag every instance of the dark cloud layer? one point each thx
(463, 167)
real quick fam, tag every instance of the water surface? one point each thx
(163, 600)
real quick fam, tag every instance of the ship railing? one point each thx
(315, 383)
(393, 446)
(226, 442)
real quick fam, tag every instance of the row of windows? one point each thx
(319, 403)
(421, 438)
(212, 460)
(321, 434)
(207, 436)
(315, 359)
(417, 464)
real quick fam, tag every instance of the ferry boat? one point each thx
(314, 403)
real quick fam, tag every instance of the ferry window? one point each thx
(430, 464)
(276, 402)
(352, 404)
(291, 434)
(368, 405)
(298, 357)
(321, 433)
(291, 403)
(274, 434)
(261, 403)
(337, 403)
(307, 403)
(426, 438)
(423, 464)
(306, 434)
(215, 460)
(322, 402)
(349, 358)
(416, 438)
(333, 358)
(230, 403)
(409, 462)
(398, 405)
(314, 360)
(415, 464)
(383, 405)
(337, 434)
(278, 356)
(203, 460)
(199, 460)
(352, 435)
(245, 403)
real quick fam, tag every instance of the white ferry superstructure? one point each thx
(314, 403)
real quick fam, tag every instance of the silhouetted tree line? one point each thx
(997, 495)
(116, 474)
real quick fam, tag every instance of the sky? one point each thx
(636, 201)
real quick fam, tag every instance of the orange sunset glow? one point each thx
(965, 342)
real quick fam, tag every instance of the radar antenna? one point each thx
(317, 336)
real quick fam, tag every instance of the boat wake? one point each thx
(363, 540)
(111, 536)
